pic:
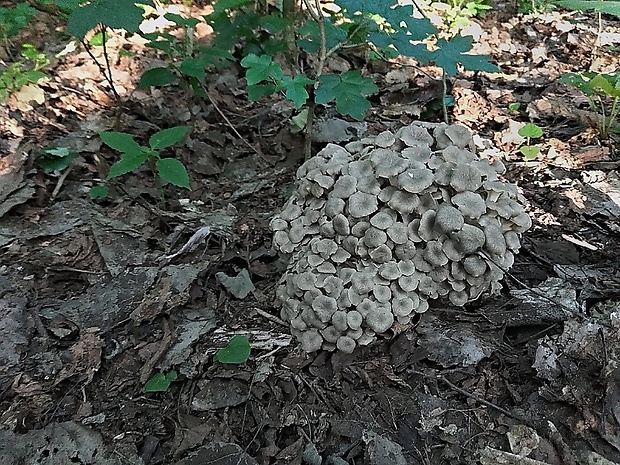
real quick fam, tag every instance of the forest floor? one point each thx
(90, 310)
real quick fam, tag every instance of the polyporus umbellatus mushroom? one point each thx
(375, 230)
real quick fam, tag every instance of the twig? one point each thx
(443, 96)
(256, 151)
(323, 39)
(60, 182)
(270, 317)
(108, 76)
(480, 400)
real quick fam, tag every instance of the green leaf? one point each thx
(173, 171)
(237, 351)
(299, 121)
(274, 24)
(116, 14)
(531, 130)
(347, 90)
(261, 68)
(606, 84)
(296, 89)
(120, 141)
(610, 8)
(578, 81)
(181, 21)
(97, 39)
(514, 106)
(223, 5)
(194, 67)
(310, 36)
(129, 161)
(529, 151)
(99, 192)
(167, 137)
(55, 159)
(240, 286)
(450, 53)
(157, 77)
(256, 91)
(160, 382)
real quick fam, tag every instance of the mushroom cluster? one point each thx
(377, 228)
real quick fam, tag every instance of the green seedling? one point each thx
(236, 352)
(457, 14)
(14, 19)
(514, 107)
(27, 70)
(530, 131)
(186, 63)
(385, 29)
(133, 155)
(603, 92)
(55, 159)
(160, 382)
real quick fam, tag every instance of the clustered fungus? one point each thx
(377, 228)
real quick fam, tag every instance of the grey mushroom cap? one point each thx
(354, 319)
(344, 187)
(494, 240)
(382, 220)
(334, 206)
(385, 139)
(387, 163)
(475, 265)
(458, 298)
(459, 135)
(415, 135)
(398, 233)
(346, 344)
(362, 282)
(404, 202)
(311, 340)
(448, 219)
(380, 319)
(330, 334)
(469, 239)
(415, 181)
(466, 178)
(374, 237)
(434, 254)
(324, 307)
(426, 229)
(470, 204)
(361, 204)
(381, 254)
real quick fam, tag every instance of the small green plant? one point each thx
(458, 13)
(14, 19)
(514, 107)
(133, 155)
(603, 92)
(530, 131)
(55, 159)
(236, 352)
(387, 29)
(186, 63)
(536, 7)
(160, 382)
(26, 71)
